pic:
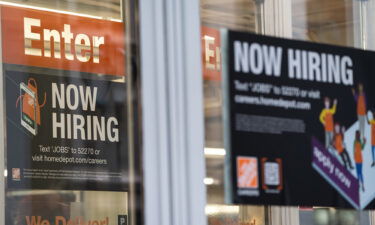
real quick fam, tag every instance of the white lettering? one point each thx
(83, 50)
(334, 68)
(48, 36)
(97, 41)
(56, 125)
(69, 89)
(110, 129)
(241, 57)
(294, 58)
(256, 58)
(346, 71)
(68, 36)
(29, 36)
(88, 97)
(99, 128)
(314, 66)
(272, 59)
(60, 96)
(321, 67)
(78, 124)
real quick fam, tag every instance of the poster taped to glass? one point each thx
(300, 123)
(65, 129)
(65, 101)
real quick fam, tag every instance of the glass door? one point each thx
(69, 151)
(343, 23)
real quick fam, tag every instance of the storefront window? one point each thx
(67, 81)
(341, 23)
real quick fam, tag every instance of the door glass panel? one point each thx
(66, 86)
(343, 23)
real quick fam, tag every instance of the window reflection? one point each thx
(333, 22)
(59, 206)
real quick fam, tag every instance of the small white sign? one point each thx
(271, 173)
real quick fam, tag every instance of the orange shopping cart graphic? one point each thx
(247, 172)
(30, 106)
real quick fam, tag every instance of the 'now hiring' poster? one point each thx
(300, 119)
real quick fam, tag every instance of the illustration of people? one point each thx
(339, 145)
(326, 118)
(360, 99)
(358, 147)
(372, 123)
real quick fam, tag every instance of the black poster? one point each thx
(300, 120)
(65, 133)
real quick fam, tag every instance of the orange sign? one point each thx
(211, 53)
(247, 172)
(60, 41)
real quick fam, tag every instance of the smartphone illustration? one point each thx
(28, 109)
